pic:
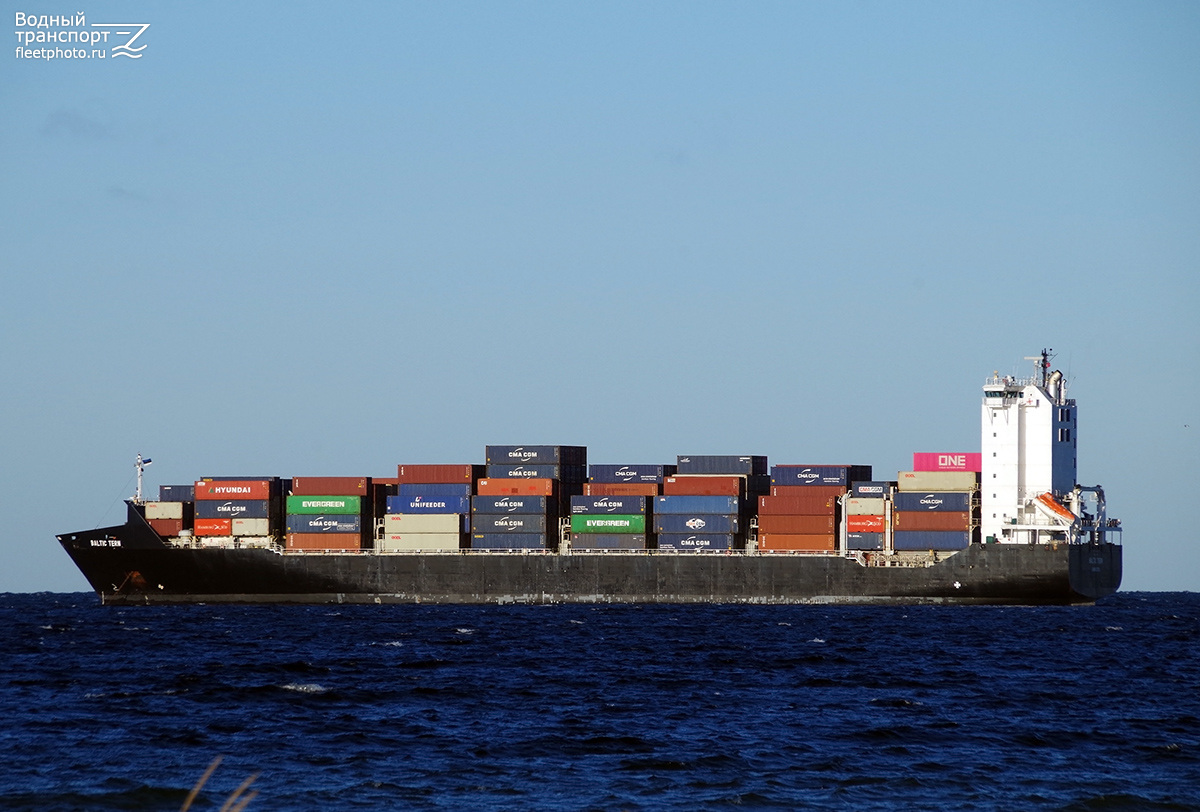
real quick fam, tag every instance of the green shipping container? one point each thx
(619, 523)
(324, 504)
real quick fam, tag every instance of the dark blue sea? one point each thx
(601, 707)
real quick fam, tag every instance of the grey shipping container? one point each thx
(630, 473)
(232, 509)
(696, 541)
(324, 523)
(721, 464)
(508, 523)
(957, 501)
(864, 541)
(695, 523)
(535, 455)
(930, 540)
(593, 505)
(608, 541)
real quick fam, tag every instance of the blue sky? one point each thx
(302, 239)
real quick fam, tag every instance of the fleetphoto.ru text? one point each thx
(71, 36)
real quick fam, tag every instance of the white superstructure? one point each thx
(1028, 477)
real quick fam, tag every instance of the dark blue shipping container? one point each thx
(223, 509)
(595, 505)
(177, 493)
(695, 523)
(956, 501)
(511, 541)
(608, 541)
(630, 473)
(723, 505)
(563, 473)
(511, 504)
(435, 504)
(718, 464)
(329, 523)
(535, 455)
(864, 541)
(508, 523)
(436, 489)
(696, 541)
(930, 540)
(841, 475)
(870, 490)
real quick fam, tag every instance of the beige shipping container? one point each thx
(937, 481)
(251, 527)
(864, 506)
(416, 542)
(164, 510)
(395, 523)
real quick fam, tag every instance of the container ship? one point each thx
(534, 524)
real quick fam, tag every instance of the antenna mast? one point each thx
(141, 466)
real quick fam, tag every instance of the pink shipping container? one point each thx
(947, 461)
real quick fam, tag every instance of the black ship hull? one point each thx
(130, 564)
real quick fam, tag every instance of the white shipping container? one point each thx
(164, 510)
(414, 542)
(394, 523)
(937, 481)
(251, 527)
(864, 506)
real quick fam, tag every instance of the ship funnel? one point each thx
(1053, 384)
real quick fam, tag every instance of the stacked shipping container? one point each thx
(801, 512)
(552, 473)
(935, 510)
(236, 507)
(329, 513)
(609, 522)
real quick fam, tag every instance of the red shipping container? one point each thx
(167, 527)
(808, 491)
(949, 461)
(864, 524)
(518, 487)
(213, 527)
(323, 541)
(799, 505)
(436, 474)
(331, 485)
(805, 525)
(620, 489)
(692, 485)
(793, 542)
(930, 520)
(250, 489)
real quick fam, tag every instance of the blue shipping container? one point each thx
(509, 541)
(695, 523)
(222, 509)
(721, 464)
(864, 541)
(608, 541)
(508, 523)
(695, 541)
(565, 473)
(930, 540)
(630, 473)
(410, 489)
(956, 501)
(511, 504)
(594, 505)
(331, 523)
(535, 455)
(790, 475)
(870, 490)
(177, 493)
(436, 504)
(723, 505)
